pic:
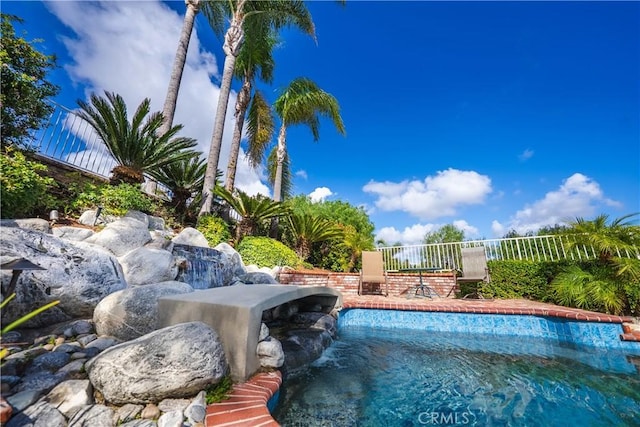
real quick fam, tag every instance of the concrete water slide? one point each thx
(235, 313)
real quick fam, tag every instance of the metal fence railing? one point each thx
(68, 139)
(448, 256)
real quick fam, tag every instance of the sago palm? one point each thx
(135, 145)
(254, 211)
(310, 229)
(184, 179)
(302, 102)
(278, 13)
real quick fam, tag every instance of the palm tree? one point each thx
(184, 179)
(278, 13)
(301, 103)
(254, 211)
(136, 145)
(215, 12)
(310, 229)
(254, 59)
(607, 284)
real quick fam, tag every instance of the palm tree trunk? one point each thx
(232, 42)
(242, 103)
(171, 100)
(280, 154)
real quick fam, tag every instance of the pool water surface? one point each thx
(402, 377)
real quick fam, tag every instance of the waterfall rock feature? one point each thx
(204, 268)
(148, 265)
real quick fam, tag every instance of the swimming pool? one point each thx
(410, 377)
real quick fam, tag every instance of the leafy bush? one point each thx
(115, 200)
(22, 190)
(266, 252)
(214, 229)
(518, 279)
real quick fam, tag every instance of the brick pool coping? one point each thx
(247, 404)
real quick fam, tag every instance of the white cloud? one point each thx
(469, 230)
(413, 235)
(578, 196)
(129, 48)
(320, 194)
(526, 155)
(435, 197)
(302, 174)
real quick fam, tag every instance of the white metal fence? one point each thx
(447, 255)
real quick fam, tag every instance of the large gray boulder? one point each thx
(176, 361)
(122, 236)
(133, 312)
(35, 224)
(233, 259)
(78, 274)
(192, 237)
(148, 265)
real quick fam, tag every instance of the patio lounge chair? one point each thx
(474, 269)
(373, 271)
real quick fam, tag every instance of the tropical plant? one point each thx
(253, 210)
(23, 190)
(611, 282)
(184, 179)
(24, 88)
(278, 13)
(309, 229)
(136, 145)
(254, 60)
(302, 102)
(215, 13)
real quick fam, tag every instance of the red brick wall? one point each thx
(347, 283)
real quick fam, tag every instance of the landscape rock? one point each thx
(70, 396)
(77, 274)
(270, 353)
(192, 237)
(148, 265)
(133, 312)
(75, 234)
(34, 224)
(122, 236)
(93, 416)
(176, 361)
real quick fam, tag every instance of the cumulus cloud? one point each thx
(434, 197)
(135, 61)
(578, 196)
(320, 194)
(469, 230)
(525, 155)
(413, 235)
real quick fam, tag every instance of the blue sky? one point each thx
(488, 115)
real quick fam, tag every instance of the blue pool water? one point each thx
(408, 377)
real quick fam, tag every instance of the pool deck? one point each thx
(247, 404)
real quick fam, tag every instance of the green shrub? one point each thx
(214, 229)
(23, 191)
(266, 252)
(518, 279)
(115, 200)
